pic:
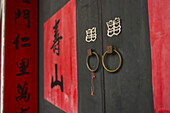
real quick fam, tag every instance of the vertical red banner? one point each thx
(159, 19)
(60, 59)
(20, 68)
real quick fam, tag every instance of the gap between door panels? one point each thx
(103, 85)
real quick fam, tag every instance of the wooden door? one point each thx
(129, 90)
(89, 16)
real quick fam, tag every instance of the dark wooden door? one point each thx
(89, 16)
(129, 90)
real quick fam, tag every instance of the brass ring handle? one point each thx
(120, 59)
(90, 53)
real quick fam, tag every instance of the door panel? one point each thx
(129, 90)
(88, 16)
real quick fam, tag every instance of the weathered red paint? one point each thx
(12, 56)
(66, 61)
(159, 19)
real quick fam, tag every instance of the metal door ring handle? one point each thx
(90, 53)
(120, 62)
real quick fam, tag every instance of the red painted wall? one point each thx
(159, 19)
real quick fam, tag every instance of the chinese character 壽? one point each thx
(57, 38)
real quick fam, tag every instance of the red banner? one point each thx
(20, 68)
(159, 19)
(60, 59)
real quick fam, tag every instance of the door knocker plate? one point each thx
(113, 27)
(91, 35)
